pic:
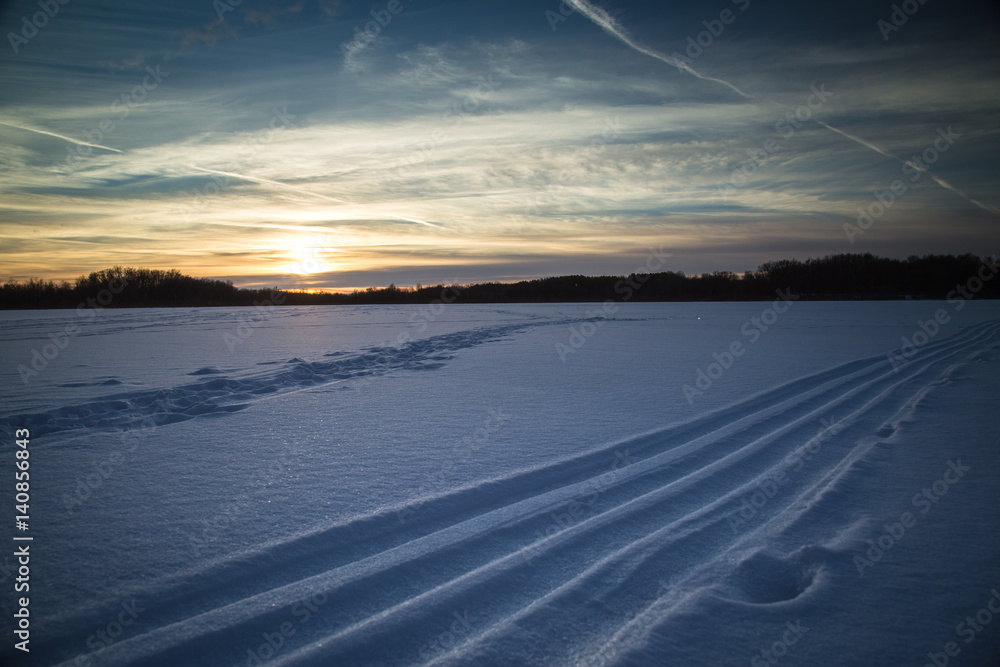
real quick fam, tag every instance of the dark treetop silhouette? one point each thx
(835, 277)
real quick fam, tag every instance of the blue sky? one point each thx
(276, 143)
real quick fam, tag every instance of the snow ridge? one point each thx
(555, 564)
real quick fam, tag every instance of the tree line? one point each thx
(834, 277)
(127, 287)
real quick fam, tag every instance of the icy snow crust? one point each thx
(319, 494)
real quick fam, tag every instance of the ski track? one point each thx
(593, 533)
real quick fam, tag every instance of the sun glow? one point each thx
(306, 256)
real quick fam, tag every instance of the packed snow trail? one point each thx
(130, 410)
(557, 561)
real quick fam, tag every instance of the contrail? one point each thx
(923, 170)
(59, 136)
(859, 140)
(265, 225)
(989, 208)
(607, 23)
(266, 181)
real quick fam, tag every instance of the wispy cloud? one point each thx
(609, 25)
(303, 191)
(502, 147)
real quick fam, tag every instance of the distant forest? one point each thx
(835, 277)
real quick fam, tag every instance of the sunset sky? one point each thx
(277, 143)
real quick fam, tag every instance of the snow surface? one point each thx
(293, 486)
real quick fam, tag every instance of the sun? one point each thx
(304, 257)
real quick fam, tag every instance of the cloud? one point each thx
(233, 19)
(299, 190)
(609, 25)
(490, 143)
(125, 62)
